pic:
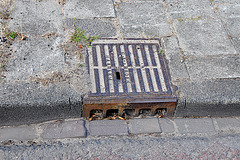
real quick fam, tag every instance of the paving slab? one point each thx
(36, 17)
(97, 27)
(108, 127)
(236, 42)
(146, 125)
(219, 97)
(190, 5)
(2, 154)
(223, 2)
(228, 124)
(18, 133)
(196, 15)
(66, 129)
(89, 9)
(140, 19)
(189, 125)
(171, 44)
(230, 14)
(35, 56)
(166, 125)
(178, 70)
(202, 33)
(209, 67)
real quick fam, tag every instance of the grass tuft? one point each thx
(79, 36)
(12, 35)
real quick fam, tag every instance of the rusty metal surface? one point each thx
(170, 108)
(131, 73)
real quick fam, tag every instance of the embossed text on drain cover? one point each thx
(127, 67)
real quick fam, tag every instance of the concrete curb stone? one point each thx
(67, 129)
(108, 127)
(148, 125)
(200, 125)
(28, 103)
(230, 124)
(79, 128)
(18, 133)
(219, 97)
(166, 125)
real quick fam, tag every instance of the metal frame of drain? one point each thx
(128, 74)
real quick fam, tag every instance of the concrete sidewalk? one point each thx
(44, 75)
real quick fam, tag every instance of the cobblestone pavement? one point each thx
(135, 147)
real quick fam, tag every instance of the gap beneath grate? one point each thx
(129, 77)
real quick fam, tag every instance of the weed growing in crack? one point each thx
(12, 35)
(4, 66)
(180, 19)
(77, 44)
(194, 18)
(190, 19)
(79, 36)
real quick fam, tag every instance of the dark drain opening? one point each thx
(145, 112)
(118, 75)
(129, 112)
(161, 112)
(96, 114)
(112, 112)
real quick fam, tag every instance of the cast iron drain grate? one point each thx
(128, 74)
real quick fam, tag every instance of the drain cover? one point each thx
(128, 74)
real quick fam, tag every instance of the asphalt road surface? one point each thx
(127, 147)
